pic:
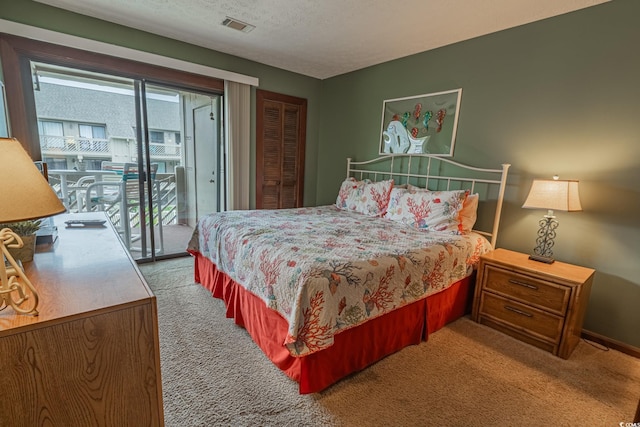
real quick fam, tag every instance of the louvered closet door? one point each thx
(281, 131)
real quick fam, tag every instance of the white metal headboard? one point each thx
(436, 173)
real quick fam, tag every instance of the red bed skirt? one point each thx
(353, 349)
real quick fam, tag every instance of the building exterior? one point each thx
(83, 123)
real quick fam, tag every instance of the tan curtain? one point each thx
(237, 135)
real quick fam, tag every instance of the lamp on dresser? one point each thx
(551, 194)
(24, 195)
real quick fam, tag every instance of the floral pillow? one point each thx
(468, 213)
(396, 194)
(428, 210)
(366, 197)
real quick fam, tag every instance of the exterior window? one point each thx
(93, 164)
(90, 132)
(53, 163)
(156, 137)
(51, 134)
(156, 142)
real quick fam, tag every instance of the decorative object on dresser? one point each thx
(26, 230)
(26, 195)
(555, 194)
(540, 304)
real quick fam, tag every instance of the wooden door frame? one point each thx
(261, 97)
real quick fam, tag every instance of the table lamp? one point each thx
(24, 194)
(555, 194)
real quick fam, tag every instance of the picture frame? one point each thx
(422, 124)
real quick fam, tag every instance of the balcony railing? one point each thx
(165, 151)
(71, 145)
(71, 187)
(97, 147)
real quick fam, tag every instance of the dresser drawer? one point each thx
(529, 290)
(521, 317)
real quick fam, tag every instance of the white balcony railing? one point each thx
(73, 145)
(97, 147)
(72, 191)
(165, 151)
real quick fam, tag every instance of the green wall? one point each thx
(559, 96)
(556, 96)
(271, 78)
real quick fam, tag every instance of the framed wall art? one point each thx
(422, 124)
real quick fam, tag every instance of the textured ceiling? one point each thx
(323, 38)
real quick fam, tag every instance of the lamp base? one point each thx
(546, 235)
(540, 258)
(15, 287)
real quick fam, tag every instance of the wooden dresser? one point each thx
(541, 304)
(91, 358)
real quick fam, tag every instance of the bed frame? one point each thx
(356, 348)
(436, 173)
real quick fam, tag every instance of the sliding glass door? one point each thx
(184, 146)
(146, 154)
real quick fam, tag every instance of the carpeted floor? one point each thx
(465, 375)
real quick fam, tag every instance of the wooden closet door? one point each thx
(280, 140)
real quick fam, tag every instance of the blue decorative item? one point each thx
(427, 117)
(405, 119)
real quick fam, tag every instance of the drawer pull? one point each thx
(515, 310)
(526, 285)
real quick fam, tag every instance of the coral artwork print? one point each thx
(422, 124)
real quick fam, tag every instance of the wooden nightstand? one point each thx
(540, 304)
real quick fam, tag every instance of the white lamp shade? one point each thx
(24, 193)
(561, 195)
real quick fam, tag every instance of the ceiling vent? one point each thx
(237, 25)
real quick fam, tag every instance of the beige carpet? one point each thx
(465, 375)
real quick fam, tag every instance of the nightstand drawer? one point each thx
(521, 317)
(527, 289)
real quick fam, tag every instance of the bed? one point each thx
(326, 291)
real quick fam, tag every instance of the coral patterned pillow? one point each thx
(429, 210)
(394, 198)
(468, 213)
(366, 197)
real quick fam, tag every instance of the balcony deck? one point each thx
(71, 186)
(176, 237)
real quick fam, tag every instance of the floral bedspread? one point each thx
(325, 270)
